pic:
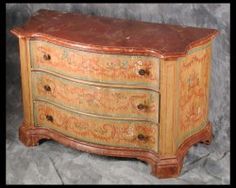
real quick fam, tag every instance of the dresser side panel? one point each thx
(26, 80)
(193, 92)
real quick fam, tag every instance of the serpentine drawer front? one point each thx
(106, 68)
(106, 131)
(106, 101)
(116, 87)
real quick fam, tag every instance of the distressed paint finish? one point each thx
(183, 86)
(184, 97)
(26, 80)
(95, 130)
(167, 110)
(194, 73)
(107, 101)
(105, 68)
(112, 35)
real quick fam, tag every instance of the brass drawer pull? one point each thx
(142, 72)
(46, 57)
(47, 87)
(49, 118)
(142, 137)
(141, 106)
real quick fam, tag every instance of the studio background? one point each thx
(52, 163)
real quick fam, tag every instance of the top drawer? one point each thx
(140, 71)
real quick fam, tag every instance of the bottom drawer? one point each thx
(123, 133)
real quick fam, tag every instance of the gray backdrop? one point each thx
(52, 163)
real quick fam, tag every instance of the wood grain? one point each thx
(168, 110)
(26, 81)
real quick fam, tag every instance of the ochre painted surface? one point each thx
(96, 130)
(193, 91)
(121, 69)
(86, 86)
(26, 90)
(168, 91)
(184, 95)
(122, 103)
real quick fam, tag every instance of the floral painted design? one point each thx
(106, 101)
(105, 68)
(97, 130)
(193, 101)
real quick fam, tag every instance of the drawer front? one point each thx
(132, 134)
(116, 69)
(115, 102)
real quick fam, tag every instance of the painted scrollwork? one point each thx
(101, 131)
(99, 100)
(193, 90)
(117, 69)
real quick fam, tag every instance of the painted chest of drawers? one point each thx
(116, 87)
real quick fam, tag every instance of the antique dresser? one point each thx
(116, 87)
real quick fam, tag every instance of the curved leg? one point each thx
(170, 166)
(163, 166)
(167, 168)
(208, 134)
(29, 139)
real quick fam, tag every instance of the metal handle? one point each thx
(47, 87)
(142, 137)
(49, 118)
(46, 57)
(141, 106)
(142, 72)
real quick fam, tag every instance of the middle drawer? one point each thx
(105, 101)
